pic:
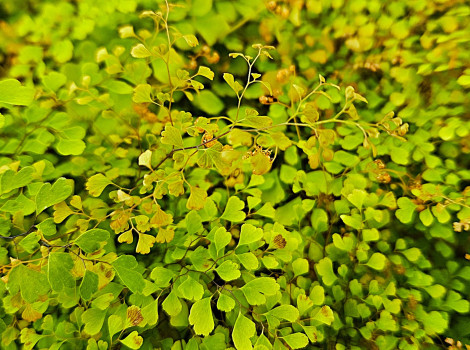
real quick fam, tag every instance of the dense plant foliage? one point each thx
(167, 182)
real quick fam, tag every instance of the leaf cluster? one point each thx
(166, 184)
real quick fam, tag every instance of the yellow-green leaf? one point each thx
(243, 330)
(145, 159)
(172, 136)
(235, 85)
(140, 51)
(201, 317)
(205, 72)
(191, 40)
(96, 184)
(197, 198)
(145, 243)
(133, 340)
(13, 93)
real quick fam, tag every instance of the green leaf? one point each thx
(89, 285)
(142, 94)
(225, 303)
(93, 320)
(96, 184)
(441, 213)
(59, 271)
(191, 40)
(70, 147)
(30, 242)
(115, 324)
(212, 157)
(324, 315)
(11, 180)
(304, 304)
(193, 222)
(433, 322)
(267, 210)
(464, 80)
(103, 301)
(140, 51)
(386, 342)
(118, 87)
(205, 72)
(258, 121)
(31, 283)
(300, 266)
(191, 289)
(92, 240)
(235, 85)
(436, 291)
(145, 159)
(285, 312)
(172, 304)
(386, 322)
(126, 267)
(29, 337)
(62, 51)
(201, 317)
(455, 302)
(197, 198)
(49, 195)
(325, 269)
(13, 93)
(172, 136)
(296, 340)
(392, 306)
(406, 211)
(205, 25)
(200, 7)
(256, 289)
(47, 227)
(228, 270)
(355, 220)
(412, 254)
(312, 333)
(162, 276)
(150, 313)
(426, 217)
(221, 238)
(370, 235)
(209, 103)
(248, 260)
(357, 198)
(317, 295)
(133, 340)
(343, 243)
(243, 330)
(377, 261)
(249, 233)
(20, 204)
(400, 155)
(233, 210)
(200, 259)
(54, 80)
(126, 32)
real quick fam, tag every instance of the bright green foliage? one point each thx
(59, 271)
(201, 317)
(165, 184)
(12, 93)
(243, 330)
(92, 240)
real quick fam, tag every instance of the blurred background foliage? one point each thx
(407, 57)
